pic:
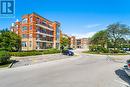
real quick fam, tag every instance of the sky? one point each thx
(81, 18)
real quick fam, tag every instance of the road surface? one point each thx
(81, 71)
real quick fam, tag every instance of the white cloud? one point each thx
(92, 25)
(85, 35)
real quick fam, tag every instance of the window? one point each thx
(58, 33)
(30, 35)
(51, 39)
(24, 44)
(24, 20)
(31, 19)
(44, 30)
(30, 43)
(44, 23)
(38, 29)
(44, 36)
(24, 36)
(24, 28)
(38, 35)
(38, 20)
(30, 27)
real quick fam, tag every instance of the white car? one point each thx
(127, 67)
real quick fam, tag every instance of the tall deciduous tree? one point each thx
(116, 32)
(9, 41)
(100, 38)
(64, 41)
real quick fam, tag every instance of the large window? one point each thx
(24, 20)
(24, 36)
(24, 44)
(58, 33)
(24, 28)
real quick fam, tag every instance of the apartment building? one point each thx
(82, 43)
(85, 43)
(73, 42)
(37, 32)
(78, 43)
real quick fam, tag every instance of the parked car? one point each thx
(70, 48)
(68, 52)
(126, 49)
(127, 67)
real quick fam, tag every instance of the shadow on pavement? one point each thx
(15, 61)
(122, 74)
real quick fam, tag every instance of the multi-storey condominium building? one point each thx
(82, 43)
(73, 42)
(37, 32)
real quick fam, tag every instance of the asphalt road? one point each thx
(82, 71)
(30, 60)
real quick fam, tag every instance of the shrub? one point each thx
(51, 51)
(4, 57)
(25, 53)
(34, 52)
(98, 49)
(128, 61)
(116, 51)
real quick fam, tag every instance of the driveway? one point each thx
(30, 60)
(85, 70)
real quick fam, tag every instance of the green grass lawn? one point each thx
(88, 52)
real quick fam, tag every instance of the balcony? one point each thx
(44, 26)
(43, 40)
(38, 40)
(38, 32)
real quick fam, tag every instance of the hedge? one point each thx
(33, 53)
(4, 57)
(98, 49)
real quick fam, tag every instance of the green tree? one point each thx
(64, 41)
(117, 33)
(100, 38)
(9, 41)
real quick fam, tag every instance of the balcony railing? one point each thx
(38, 32)
(43, 40)
(44, 26)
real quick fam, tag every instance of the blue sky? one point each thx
(77, 17)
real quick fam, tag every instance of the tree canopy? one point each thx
(100, 38)
(117, 33)
(116, 36)
(64, 41)
(9, 41)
